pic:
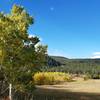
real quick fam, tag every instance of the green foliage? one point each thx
(86, 77)
(95, 76)
(19, 55)
(75, 66)
(50, 78)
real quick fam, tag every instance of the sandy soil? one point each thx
(76, 90)
(89, 86)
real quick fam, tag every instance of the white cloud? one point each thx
(40, 39)
(55, 52)
(31, 35)
(96, 55)
(38, 44)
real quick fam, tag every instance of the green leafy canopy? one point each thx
(18, 54)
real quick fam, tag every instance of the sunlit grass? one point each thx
(49, 78)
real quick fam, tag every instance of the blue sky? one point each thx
(70, 28)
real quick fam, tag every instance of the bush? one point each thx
(95, 76)
(86, 77)
(91, 76)
(49, 78)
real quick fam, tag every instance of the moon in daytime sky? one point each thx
(51, 8)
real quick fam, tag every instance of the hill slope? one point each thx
(74, 65)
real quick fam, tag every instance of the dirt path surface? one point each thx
(77, 90)
(90, 86)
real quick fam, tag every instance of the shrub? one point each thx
(49, 78)
(95, 76)
(91, 76)
(86, 77)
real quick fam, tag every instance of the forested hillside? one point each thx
(76, 65)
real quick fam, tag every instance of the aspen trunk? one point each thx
(10, 88)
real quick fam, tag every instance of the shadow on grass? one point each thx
(58, 94)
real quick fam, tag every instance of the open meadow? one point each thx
(76, 90)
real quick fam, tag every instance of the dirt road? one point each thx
(77, 90)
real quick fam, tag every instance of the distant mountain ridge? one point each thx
(63, 60)
(57, 63)
(51, 61)
(60, 59)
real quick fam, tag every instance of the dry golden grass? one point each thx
(76, 90)
(50, 78)
(89, 86)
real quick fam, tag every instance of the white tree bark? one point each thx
(10, 87)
